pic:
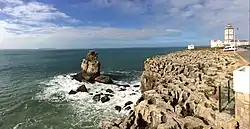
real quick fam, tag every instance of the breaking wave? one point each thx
(56, 90)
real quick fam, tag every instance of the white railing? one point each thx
(241, 80)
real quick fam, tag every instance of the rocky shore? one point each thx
(180, 91)
(91, 73)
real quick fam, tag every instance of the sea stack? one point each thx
(90, 70)
(91, 66)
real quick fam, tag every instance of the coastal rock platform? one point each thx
(180, 91)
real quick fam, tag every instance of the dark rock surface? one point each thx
(82, 88)
(97, 97)
(110, 91)
(128, 103)
(136, 86)
(104, 79)
(72, 92)
(105, 99)
(118, 108)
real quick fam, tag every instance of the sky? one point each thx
(65, 24)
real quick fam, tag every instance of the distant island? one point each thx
(46, 48)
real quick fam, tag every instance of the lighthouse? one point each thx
(228, 34)
(229, 38)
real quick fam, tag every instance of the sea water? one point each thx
(34, 86)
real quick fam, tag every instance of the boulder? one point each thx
(122, 89)
(82, 88)
(118, 108)
(127, 108)
(109, 95)
(88, 77)
(105, 99)
(104, 79)
(132, 94)
(97, 97)
(72, 92)
(136, 86)
(121, 85)
(78, 77)
(128, 103)
(110, 91)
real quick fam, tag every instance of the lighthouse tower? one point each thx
(228, 34)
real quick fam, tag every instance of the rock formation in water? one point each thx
(179, 91)
(90, 72)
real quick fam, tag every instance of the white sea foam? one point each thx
(57, 89)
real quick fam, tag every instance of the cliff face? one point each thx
(179, 90)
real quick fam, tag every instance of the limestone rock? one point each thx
(178, 91)
(90, 66)
(90, 70)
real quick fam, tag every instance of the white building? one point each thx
(190, 47)
(240, 42)
(229, 39)
(217, 43)
(241, 86)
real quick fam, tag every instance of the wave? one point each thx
(57, 89)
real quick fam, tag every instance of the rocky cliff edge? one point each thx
(180, 91)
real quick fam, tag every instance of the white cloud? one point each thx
(183, 3)
(32, 12)
(26, 19)
(86, 35)
(210, 16)
(11, 2)
(33, 21)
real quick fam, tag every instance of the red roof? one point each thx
(239, 41)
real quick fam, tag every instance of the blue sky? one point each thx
(118, 23)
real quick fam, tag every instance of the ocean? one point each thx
(34, 86)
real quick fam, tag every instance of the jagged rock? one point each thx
(82, 88)
(122, 89)
(90, 65)
(77, 77)
(178, 91)
(118, 108)
(97, 97)
(72, 92)
(136, 86)
(128, 108)
(91, 70)
(105, 99)
(104, 79)
(132, 94)
(128, 103)
(121, 85)
(110, 91)
(109, 95)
